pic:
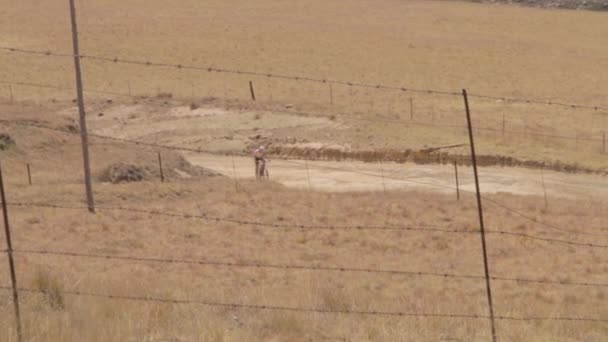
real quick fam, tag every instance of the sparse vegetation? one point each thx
(50, 288)
(510, 51)
(118, 173)
(6, 141)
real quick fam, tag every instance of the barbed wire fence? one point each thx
(501, 130)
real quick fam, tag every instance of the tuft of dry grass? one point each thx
(50, 288)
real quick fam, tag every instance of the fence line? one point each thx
(350, 117)
(251, 223)
(545, 224)
(50, 86)
(310, 310)
(315, 227)
(198, 150)
(341, 269)
(78, 57)
(295, 162)
(297, 78)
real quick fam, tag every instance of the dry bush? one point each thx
(120, 172)
(50, 288)
(164, 95)
(6, 141)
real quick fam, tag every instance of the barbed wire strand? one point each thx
(198, 150)
(297, 78)
(350, 117)
(259, 265)
(307, 310)
(246, 222)
(313, 227)
(545, 224)
(408, 180)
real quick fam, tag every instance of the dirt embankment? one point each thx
(426, 156)
(592, 5)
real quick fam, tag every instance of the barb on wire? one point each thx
(297, 78)
(258, 265)
(265, 307)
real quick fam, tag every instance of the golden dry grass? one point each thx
(426, 44)
(56, 176)
(510, 51)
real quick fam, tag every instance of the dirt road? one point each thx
(359, 176)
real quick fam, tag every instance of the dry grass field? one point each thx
(445, 45)
(496, 50)
(52, 317)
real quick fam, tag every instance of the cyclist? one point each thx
(259, 156)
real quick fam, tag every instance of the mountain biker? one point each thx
(259, 156)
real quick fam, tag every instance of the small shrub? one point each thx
(119, 173)
(194, 106)
(335, 301)
(6, 141)
(164, 95)
(50, 289)
(257, 116)
(285, 325)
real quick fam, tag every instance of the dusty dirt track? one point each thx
(227, 132)
(360, 176)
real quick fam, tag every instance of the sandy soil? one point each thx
(360, 176)
(230, 131)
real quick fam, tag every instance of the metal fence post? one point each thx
(160, 168)
(308, 175)
(11, 262)
(81, 112)
(10, 92)
(251, 90)
(29, 174)
(457, 183)
(480, 209)
(411, 109)
(503, 127)
(542, 178)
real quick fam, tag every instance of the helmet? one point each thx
(262, 148)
